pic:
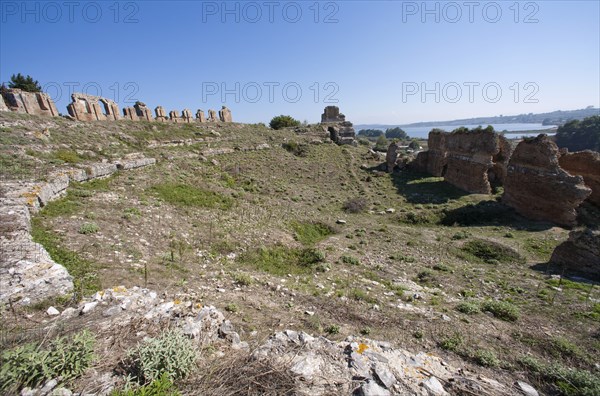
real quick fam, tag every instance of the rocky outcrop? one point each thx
(538, 188)
(585, 164)
(27, 272)
(36, 103)
(88, 108)
(367, 367)
(579, 254)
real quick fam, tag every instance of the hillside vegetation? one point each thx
(309, 239)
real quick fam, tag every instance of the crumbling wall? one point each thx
(92, 108)
(161, 115)
(469, 157)
(497, 174)
(212, 115)
(36, 103)
(129, 113)
(186, 116)
(340, 131)
(538, 188)
(586, 164)
(200, 116)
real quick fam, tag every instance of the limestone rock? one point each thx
(526, 389)
(586, 164)
(538, 188)
(580, 253)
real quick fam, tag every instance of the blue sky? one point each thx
(380, 61)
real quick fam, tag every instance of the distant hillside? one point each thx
(558, 117)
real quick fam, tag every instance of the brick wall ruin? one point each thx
(586, 164)
(85, 107)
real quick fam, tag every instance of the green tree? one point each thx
(283, 121)
(414, 144)
(395, 133)
(25, 83)
(579, 135)
(370, 133)
(381, 144)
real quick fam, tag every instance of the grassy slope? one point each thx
(190, 225)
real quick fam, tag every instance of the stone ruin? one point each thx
(36, 103)
(539, 182)
(538, 188)
(469, 160)
(580, 254)
(340, 130)
(212, 116)
(87, 108)
(161, 115)
(200, 116)
(142, 111)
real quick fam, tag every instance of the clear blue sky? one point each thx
(374, 57)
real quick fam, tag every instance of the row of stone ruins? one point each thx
(95, 108)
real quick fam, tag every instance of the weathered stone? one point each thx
(161, 115)
(94, 171)
(129, 113)
(497, 174)
(212, 116)
(392, 156)
(469, 157)
(52, 189)
(142, 111)
(538, 188)
(526, 389)
(174, 117)
(200, 116)
(371, 388)
(87, 108)
(332, 114)
(225, 114)
(51, 311)
(27, 273)
(586, 164)
(580, 253)
(186, 116)
(36, 103)
(434, 387)
(126, 164)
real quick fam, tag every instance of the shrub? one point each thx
(300, 150)
(170, 354)
(311, 233)
(486, 358)
(468, 308)
(282, 260)
(283, 121)
(68, 156)
(88, 228)
(451, 343)
(26, 83)
(491, 252)
(350, 260)
(29, 365)
(243, 279)
(162, 386)
(355, 205)
(502, 310)
(232, 307)
(332, 329)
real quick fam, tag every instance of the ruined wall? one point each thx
(580, 254)
(212, 116)
(142, 111)
(92, 108)
(161, 115)
(586, 164)
(200, 116)
(468, 159)
(332, 114)
(437, 153)
(538, 188)
(36, 103)
(497, 174)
